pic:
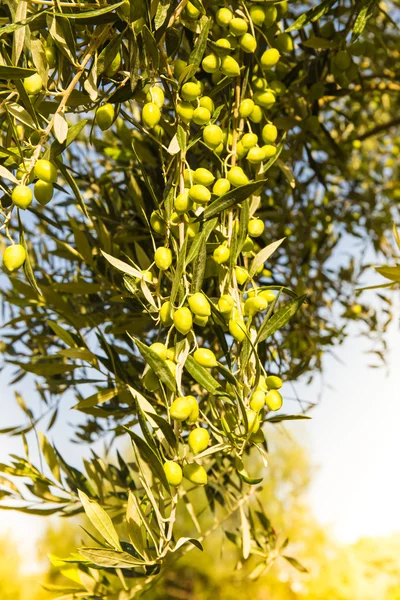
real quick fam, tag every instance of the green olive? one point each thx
(14, 257)
(105, 116)
(246, 107)
(151, 115)
(238, 26)
(212, 135)
(43, 192)
(45, 170)
(33, 84)
(185, 110)
(205, 357)
(21, 196)
(195, 474)
(183, 320)
(230, 67)
(200, 194)
(211, 63)
(198, 440)
(173, 472)
(201, 115)
(270, 58)
(190, 91)
(163, 258)
(221, 186)
(269, 133)
(236, 176)
(199, 305)
(223, 17)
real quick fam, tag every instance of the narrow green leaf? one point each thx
(245, 530)
(280, 318)
(100, 520)
(199, 267)
(196, 56)
(56, 148)
(280, 418)
(159, 365)
(295, 563)
(263, 256)
(110, 558)
(74, 187)
(150, 458)
(392, 273)
(122, 266)
(366, 12)
(202, 376)
(180, 268)
(64, 335)
(14, 73)
(230, 199)
(311, 15)
(27, 264)
(91, 13)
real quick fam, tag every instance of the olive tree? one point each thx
(176, 178)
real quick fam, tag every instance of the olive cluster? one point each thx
(244, 141)
(45, 174)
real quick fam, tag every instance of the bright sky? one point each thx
(353, 438)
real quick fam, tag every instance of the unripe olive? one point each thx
(269, 151)
(156, 95)
(147, 276)
(105, 116)
(14, 257)
(253, 421)
(185, 110)
(264, 98)
(237, 329)
(223, 43)
(257, 401)
(198, 440)
(166, 313)
(221, 254)
(212, 135)
(273, 400)
(273, 382)
(151, 381)
(151, 114)
(160, 349)
(205, 357)
(43, 192)
(21, 196)
(242, 275)
(51, 56)
(35, 138)
(33, 84)
(256, 114)
(163, 258)
(171, 366)
(190, 91)
(284, 42)
(271, 15)
(259, 83)
(192, 228)
(230, 67)
(157, 223)
(45, 170)
(278, 87)
(269, 133)
(171, 353)
(201, 115)
(268, 295)
(238, 26)
(208, 103)
(257, 15)
(223, 17)
(358, 48)
(183, 320)
(173, 472)
(255, 155)
(181, 409)
(248, 245)
(255, 227)
(199, 194)
(211, 63)
(248, 43)
(246, 107)
(249, 140)
(342, 60)
(254, 305)
(200, 321)
(236, 176)
(203, 176)
(226, 304)
(114, 66)
(191, 11)
(199, 305)
(179, 66)
(221, 186)
(182, 202)
(194, 414)
(195, 474)
(270, 58)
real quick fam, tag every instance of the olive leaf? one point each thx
(231, 198)
(100, 520)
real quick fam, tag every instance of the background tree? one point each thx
(181, 141)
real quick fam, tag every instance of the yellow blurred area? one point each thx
(366, 570)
